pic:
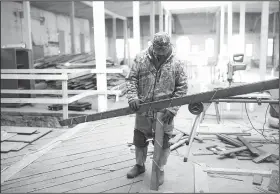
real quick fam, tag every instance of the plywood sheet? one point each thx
(29, 138)
(12, 146)
(21, 130)
(5, 135)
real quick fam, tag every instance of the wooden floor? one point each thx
(97, 158)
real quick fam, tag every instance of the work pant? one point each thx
(144, 129)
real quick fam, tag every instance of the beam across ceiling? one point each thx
(106, 11)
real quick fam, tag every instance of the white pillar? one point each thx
(264, 38)
(27, 23)
(72, 27)
(152, 20)
(114, 34)
(100, 50)
(170, 24)
(230, 30)
(222, 29)
(160, 17)
(125, 41)
(136, 25)
(166, 21)
(242, 26)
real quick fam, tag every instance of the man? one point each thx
(156, 74)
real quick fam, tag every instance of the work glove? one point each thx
(167, 117)
(134, 104)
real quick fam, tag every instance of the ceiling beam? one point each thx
(106, 11)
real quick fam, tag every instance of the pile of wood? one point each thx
(78, 61)
(16, 138)
(69, 61)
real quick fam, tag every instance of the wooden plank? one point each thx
(159, 133)
(33, 100)
(78, 74)
(200, 179)
(274, 181)
(252, 149)
(57, 92)
(244, 157)
(200, 97)
(21, 130)
(6, 136)
(200, 140)
(224, 133)
(29, 138)
(57, 71)
(12, 170)
(257, 179)
(12, 146)
(243, 172)
(33, 77)
(234, 150)
(262, 157)
(230, 140)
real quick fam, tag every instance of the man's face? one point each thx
(161, 51)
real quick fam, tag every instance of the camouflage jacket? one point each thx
(146, 83)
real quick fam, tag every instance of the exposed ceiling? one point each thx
(124, 8)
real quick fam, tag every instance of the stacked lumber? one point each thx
(16, 138)
(78, 61)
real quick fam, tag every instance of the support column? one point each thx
(217, 29)
(72, 27)
(136, 25)
(91, 36)
(275, 54)
(27, 23)
(242, 26)
(264, 38)
(170, 24)
(124, 41)
(152, 20)
(166, 21)
(114, 37)
(230, 30)
(100, 50)
(222, 29)
(160, 17)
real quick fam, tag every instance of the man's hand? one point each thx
(134, 104)
(167, 117)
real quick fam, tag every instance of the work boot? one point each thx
(161, 178)
(135, 171)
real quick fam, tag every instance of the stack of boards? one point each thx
(16, 138)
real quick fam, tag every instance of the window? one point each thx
(195, 48)
(249, 50)
(183, 47)
(209, 47)
(270, 47)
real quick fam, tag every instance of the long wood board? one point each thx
(29, 138)
(157, 105)
(21, 130)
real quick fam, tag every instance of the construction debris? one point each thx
(20, 137)
(257, 179)
(274, 181)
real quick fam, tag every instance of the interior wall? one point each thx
(43, 33)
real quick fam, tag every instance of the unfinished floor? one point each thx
(97, 158)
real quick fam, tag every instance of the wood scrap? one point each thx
(223, 133)
(19, 130)
(178, 144)
(222, 176)
(201, 153)
(12, 146)
(243, 172)
(230, 140)
(257, 179)
(200, 140)
(244, 157)
(5, 135)
(200, 179)
(261, 189)
(234, 150)
(274, 181)
(262, 157)
(30, 138)
(252, 149)
(176, 138)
